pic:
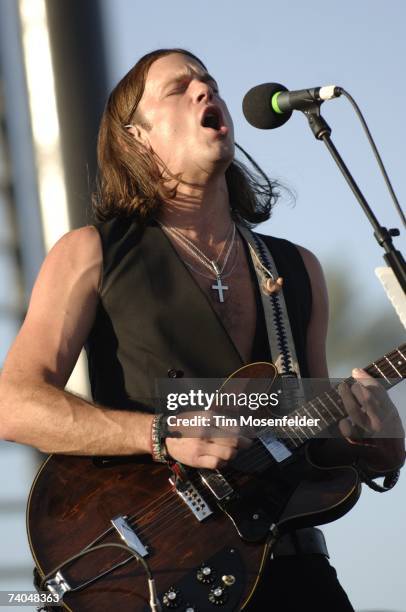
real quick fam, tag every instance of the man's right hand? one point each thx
(211, 453)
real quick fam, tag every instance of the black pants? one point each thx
(299, 582)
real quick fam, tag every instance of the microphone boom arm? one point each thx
(393, 257)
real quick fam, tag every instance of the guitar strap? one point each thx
(278, 326)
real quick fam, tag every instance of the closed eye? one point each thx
(179, 86)
(183, 86)
(178, 90)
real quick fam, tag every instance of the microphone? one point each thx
(270, 105)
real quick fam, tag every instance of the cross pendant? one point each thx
(220, 287)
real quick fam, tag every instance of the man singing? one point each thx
(165, 284)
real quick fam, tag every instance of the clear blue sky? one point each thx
(360, 45)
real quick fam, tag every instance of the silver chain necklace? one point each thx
(208, 263)
(223, 276)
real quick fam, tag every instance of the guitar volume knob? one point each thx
(171, 598)
(218, 596)
(205, 574)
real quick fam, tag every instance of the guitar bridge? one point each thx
(192, 498)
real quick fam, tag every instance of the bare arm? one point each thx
(318, 324)
(34, 409)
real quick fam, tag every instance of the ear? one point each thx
(139, 133)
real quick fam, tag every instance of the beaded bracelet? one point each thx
(158, 447)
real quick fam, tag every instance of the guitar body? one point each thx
(204, 535)
(73, 501)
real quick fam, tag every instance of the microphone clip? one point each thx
(317, 123)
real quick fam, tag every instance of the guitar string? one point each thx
(181, 511)
(175, 514)
(141, 511)
(176, 500)
(120, 563)
(172, 511)
(159, 526)
(381, 366)
(194, 479)
(174, 548)
(385, 367)
(172, 506)
(325, 413)
(184, 511)
(250, 467)
(264, 463)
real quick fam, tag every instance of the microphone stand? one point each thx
(392, 256)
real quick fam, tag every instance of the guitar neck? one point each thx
(328, 407)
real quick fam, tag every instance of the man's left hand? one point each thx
(369, 408)
(372, 415)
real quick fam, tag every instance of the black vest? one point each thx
(153, 318)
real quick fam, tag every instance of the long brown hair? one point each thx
(130, 181)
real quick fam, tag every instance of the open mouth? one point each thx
(212, 118)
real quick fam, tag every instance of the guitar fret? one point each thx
(387, 362)
(393, 367)
(320, 415)
(395, 351)
(380, 372)
(401, 354)
(295, 442)
(309, 414)
(294, 431)
(304, 433)
(285, 431)
(297, 435)
(329, 406)
(381, 366)
(325, 407)
(340, 410)
(386, 365)
(290, 443)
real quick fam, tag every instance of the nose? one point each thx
(201, 91)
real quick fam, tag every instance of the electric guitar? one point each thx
(205, 533)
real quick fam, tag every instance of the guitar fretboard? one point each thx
(328, 407)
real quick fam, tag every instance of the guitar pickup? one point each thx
(127, 533)
(192, 498)
(216, 483)
(275, 447)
